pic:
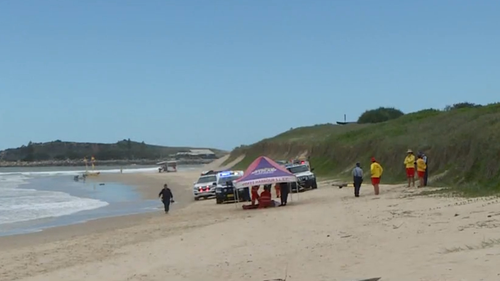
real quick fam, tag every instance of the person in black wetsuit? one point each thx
(166, 197)
(284, 189)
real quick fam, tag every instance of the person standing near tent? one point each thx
(277, 189)
(166, 197)
(284, 189)
(410, 167)
(376, 172)
(255, 193)
(357, 178)
(421, 167)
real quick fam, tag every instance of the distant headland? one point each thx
(124, 152)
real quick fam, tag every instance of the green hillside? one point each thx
(61, 150)
(463, 146)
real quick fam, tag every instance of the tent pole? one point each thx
(297, 193)
(290, 191)
(235, 194)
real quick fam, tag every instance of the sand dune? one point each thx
(326, 235)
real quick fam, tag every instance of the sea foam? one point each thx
(75, 172)
(19, 204)
(22, 204)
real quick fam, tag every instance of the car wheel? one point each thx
(314, 185)
(196, 198)
(218, 201)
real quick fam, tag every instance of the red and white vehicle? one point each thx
(205, 186)
(301, 162)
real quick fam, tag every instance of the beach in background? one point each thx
(33, 199)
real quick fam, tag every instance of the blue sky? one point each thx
(224, 73)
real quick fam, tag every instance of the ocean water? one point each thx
(32, 199)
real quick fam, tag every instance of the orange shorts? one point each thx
(410, 172)
(375, 181)
(421, 174)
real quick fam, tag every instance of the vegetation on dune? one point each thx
(462, 143)
(380, 114)
(59, 150)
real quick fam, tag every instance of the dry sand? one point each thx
(326, 235)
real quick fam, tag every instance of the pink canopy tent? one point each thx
(263, 171)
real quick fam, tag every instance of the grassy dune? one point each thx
(463, 146)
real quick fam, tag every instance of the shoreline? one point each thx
(147, 185)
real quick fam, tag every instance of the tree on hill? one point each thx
(461, 105)
(380, 114)
(129, 148)
(29, 152)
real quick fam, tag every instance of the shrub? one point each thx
(379, 115)
(461, 105)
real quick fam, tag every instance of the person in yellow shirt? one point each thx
(410, 167)
(421, 167)
(376, 172)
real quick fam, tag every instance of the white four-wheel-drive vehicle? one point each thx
(306, 179)
(205, 186)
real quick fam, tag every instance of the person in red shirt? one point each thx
(255, 193)
(265, 198)
(277, 188)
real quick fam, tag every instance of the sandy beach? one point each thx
(325, 234)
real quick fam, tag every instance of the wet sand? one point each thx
(147, 184)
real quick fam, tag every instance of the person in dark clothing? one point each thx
(284, 189)
(357, 178)
(426, 160)
(166, 197)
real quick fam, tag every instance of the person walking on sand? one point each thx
(410, 167)
(376, 172)
(421, 168)
(357, 178)
(166, 197)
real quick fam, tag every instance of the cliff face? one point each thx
(462, 146)
(62, 151)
